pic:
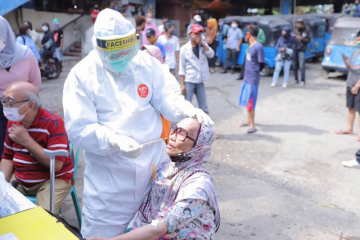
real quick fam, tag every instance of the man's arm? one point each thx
(177, 59)
(177, 50)
(182, 70)
(21, 136)
(183, 86)
(347, 64)
(239, 44)
(355, 89)
(207, 50)
(7, 166)
(61, 44)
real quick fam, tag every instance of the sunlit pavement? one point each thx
(284, 181)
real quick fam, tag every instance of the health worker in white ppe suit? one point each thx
(112, 103)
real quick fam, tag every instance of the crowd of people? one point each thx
(43, 45)
(117, 101)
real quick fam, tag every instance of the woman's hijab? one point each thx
(287, 39)
(213, 23)
(155, 52)
(165, 189)
(13, 51)
(211, 31)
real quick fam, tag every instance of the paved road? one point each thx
(284, 182)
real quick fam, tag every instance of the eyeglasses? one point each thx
(181, 134)
(10, 103)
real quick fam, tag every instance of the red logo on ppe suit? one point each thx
(143, 90)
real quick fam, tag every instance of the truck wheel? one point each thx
(265, 72)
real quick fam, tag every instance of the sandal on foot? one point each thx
(251, 130)
(243, 125)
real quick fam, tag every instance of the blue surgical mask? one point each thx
(358, 44)
(12, 114)
(121, 66)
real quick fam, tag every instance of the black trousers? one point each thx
(230, 54)
(212, 61)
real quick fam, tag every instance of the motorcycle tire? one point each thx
(57, 70)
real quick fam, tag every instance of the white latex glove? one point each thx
(201, 116)
(126, 145)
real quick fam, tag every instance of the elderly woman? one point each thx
(182, 203)
(17, 63)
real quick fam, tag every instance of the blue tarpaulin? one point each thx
(7, 6)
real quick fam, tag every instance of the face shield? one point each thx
(118, 51)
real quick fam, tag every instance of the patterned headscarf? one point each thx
(164, 190)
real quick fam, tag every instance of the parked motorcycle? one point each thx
(52, 69)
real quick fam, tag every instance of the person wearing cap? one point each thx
(194, 68)
(149, 24)
(302, 35)
(196, 19)
(255, 61)
(151, 37)
(58, 40)
(113, 99)
(162, 26)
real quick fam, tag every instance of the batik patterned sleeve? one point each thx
(182, 213)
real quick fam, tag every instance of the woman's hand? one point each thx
(95, 238)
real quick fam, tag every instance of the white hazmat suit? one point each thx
(104, 109)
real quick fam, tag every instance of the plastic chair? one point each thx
(75, 159)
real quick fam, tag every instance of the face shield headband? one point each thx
(118, 52)
(117, 44)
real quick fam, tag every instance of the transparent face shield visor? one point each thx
(119, 49)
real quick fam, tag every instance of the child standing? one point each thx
(255, 61)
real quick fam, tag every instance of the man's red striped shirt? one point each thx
(48, 131)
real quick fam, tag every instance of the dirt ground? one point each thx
(286, 181)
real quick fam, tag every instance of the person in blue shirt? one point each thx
(25, 39)
(151, 37)
(346, 9)
(356, 12)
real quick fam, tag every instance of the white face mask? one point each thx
(2, 45)
(233, 25)
(45, 28)
(12, 114)
(148, 20)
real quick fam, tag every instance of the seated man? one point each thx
(30, 129)
(182, 203)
